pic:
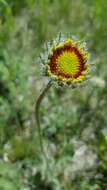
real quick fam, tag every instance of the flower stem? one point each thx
(37, 116)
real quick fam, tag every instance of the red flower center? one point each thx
(75, 62)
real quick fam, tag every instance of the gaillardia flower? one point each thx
(66, 61)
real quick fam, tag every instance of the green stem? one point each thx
(37, 108)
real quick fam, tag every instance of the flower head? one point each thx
(66, 61)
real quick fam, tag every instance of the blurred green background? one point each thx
(74, 122)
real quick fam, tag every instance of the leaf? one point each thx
(3, 2)
(6, 184)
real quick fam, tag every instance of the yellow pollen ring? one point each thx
(68, 63)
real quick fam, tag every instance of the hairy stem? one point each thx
(37, 108)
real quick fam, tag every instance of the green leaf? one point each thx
(6, 184)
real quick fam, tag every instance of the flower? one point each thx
(66, 61)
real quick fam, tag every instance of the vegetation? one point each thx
(73, 121)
